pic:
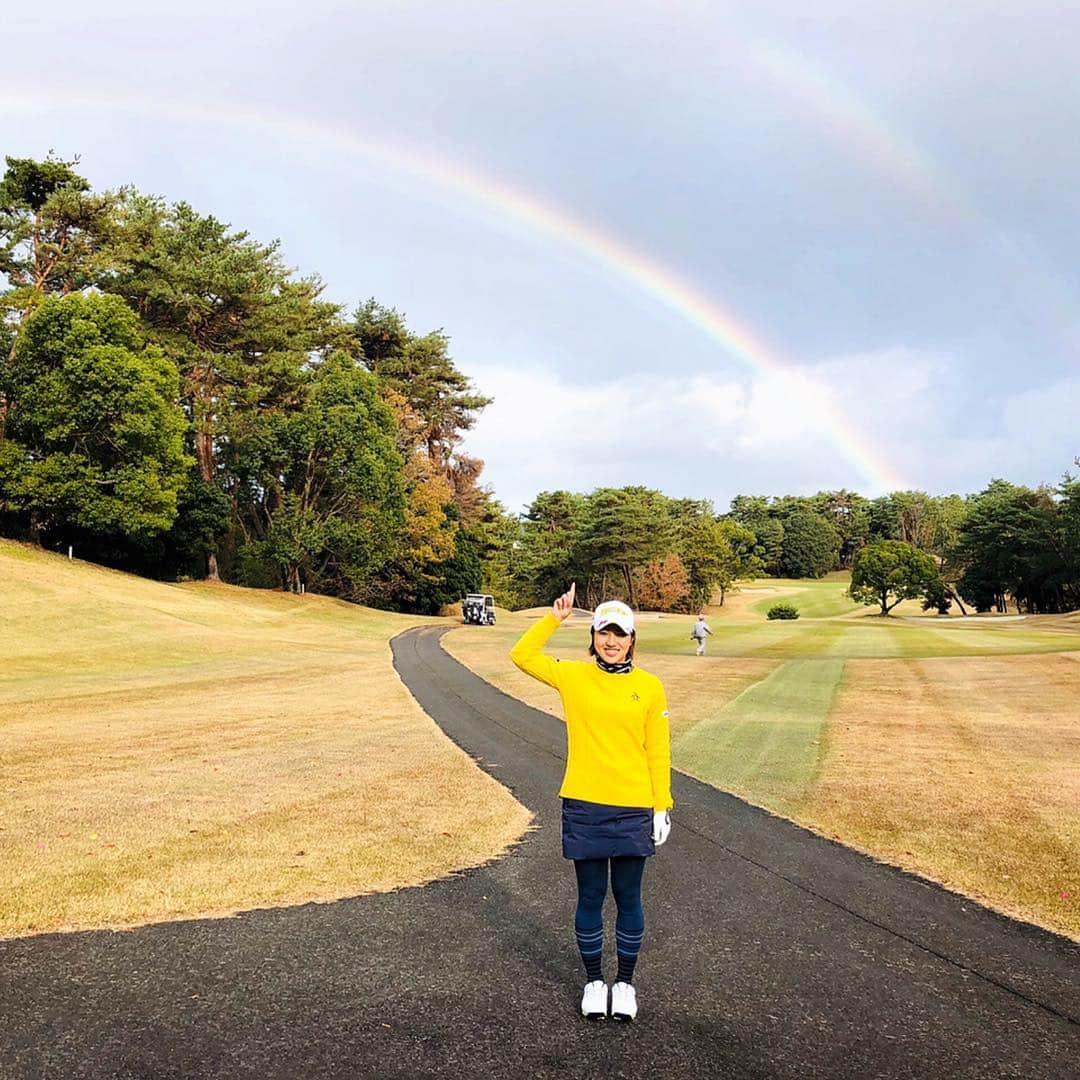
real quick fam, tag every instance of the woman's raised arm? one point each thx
(528, 652)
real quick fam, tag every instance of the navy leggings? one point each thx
(592, 880)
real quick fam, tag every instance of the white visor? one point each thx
(613, 613)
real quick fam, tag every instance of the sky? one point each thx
(709, 248)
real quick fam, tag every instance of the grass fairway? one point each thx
(179, 751)
(946, 746)
(866, 636)
(766, 741)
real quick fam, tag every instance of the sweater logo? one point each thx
(634, 697)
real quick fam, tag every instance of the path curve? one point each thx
(770, 952)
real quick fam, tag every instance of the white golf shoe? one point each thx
(594, 1000)
(623, 1001)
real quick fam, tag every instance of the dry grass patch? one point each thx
(963, 770)
(485, 650)
(175, 752)
(700, 687)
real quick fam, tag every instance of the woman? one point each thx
(616, 791)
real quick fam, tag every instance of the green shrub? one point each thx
(783, 611)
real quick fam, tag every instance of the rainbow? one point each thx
(505, 201)
(848, 118)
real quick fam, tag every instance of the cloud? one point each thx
(682, 431)
(712, 436)
(545, 431)
(1038, 434)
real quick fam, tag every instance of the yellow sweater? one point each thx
(618, 745)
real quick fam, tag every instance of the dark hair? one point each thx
(629, 652)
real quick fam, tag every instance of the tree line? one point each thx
(175, 400)
(629, 543)
(1005, 543)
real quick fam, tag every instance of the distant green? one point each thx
(814, 599)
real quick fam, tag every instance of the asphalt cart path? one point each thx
(769, 952)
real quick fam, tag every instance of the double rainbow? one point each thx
(849, 118)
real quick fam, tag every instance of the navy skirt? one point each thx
(597, 831)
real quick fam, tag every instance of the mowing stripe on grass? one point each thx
(765, 744)
(990, 640)
(872, 637)
(765, 639)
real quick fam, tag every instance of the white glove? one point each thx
(661, 826)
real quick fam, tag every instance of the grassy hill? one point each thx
(172, 751)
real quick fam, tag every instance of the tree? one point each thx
(811, 545)
(616, 541)
(662, 584)
(551, 545)
(323, 483)
(204, 515)
(458, 575)
(949, 514)
(755, 513)
(740, 561)
(916, 519)
(750, 509)
(939, 598)
(623, 528)
(1015, 542)
(929, 523)
(849, 514)
(1070, 525)
(413, 580)
(94, 438)
(884, 518)
(769, 545)
(470, 497)
(438, 405)
(240, 329)
(503, 575)
(52, 229)
(714, 552)
(421, 371)
(888, 571)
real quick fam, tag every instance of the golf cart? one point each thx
(479, 608)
